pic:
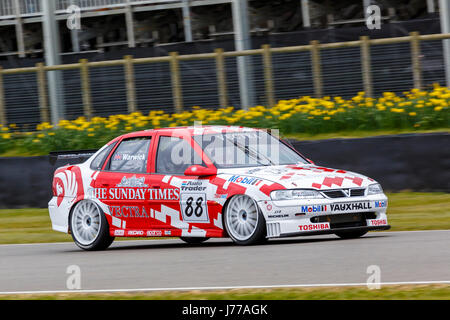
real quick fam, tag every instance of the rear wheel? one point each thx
(244, 222)
(193, 240)
(350, 234)
(89, 227)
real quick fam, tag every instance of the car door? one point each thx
(123, 185)
(180, 202)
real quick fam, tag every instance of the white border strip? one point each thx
(229, 287)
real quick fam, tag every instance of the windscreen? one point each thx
(246, 149)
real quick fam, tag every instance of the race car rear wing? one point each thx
(74, 156)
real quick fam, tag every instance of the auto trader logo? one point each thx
(192, 186)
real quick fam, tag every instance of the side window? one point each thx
(131, 156)
(97, 163)
(175, 155)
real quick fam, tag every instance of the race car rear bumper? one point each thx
(332, 231)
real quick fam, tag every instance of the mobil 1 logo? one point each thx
(194, 208)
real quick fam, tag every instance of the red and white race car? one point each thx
(203, 182)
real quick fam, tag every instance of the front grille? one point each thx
(339, 193)
(357, 192)
(334, 194)
(345, 220)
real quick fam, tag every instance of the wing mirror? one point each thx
(197, 170)
(311, 161)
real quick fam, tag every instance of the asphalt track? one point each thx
(402, 257)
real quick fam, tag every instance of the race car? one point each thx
(207, 182)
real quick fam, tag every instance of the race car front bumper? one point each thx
(325, 216)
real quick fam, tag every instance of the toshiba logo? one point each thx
(312, 227)
(378, 222)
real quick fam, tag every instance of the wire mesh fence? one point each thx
(71, 93)
(21, 98)
(173, 83)
(432, 62)
(198, 83)
(292, 74)
(391, 68)
(341, 72)
(108, 90)
(153, 87)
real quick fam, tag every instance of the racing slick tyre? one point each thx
(193, 240)
(244, 222)
(350, 234)
(89, 227)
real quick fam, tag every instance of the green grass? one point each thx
(407, 211)
(419, 211)
(28, 226)
(397, 292)
(358, 134)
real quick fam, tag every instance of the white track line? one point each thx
(163, 239)
(229, 287)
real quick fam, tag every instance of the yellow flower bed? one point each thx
(414, 109)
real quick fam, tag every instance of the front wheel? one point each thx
(244, 222)
(193, 240)
(89, 227)
(350, 234)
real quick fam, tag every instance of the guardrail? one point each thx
(173, 60)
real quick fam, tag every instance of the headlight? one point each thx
(295, 194)
(374, 189)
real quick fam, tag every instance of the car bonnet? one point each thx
(302, 176)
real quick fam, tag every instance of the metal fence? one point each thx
(176, 82)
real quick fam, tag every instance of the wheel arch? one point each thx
(224, 207)
(78, 200)
(228, 201)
